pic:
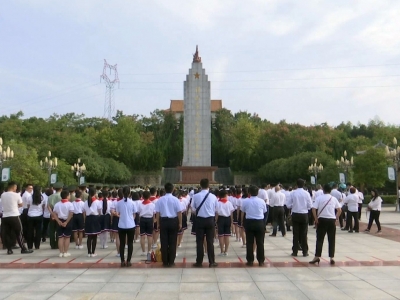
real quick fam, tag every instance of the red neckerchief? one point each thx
(101, 199)
(145, 202)
(94, 199)
(238, 196)
(64, 200)
(78, 200)
(152, 198)
(119, 199)
(223, 200)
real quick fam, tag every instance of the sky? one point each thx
(306, 62)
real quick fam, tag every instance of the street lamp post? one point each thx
(394, 155)
(5, 155)
(78, 170)
(49, 164)
(345, 164)
(314, 168)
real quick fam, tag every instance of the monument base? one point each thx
(193, 175)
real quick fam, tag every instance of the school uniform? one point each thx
(105, 218)
(184, 216)
(154, 200)
(146, 212)
(78, 223)
(63, 209)
(255, 208)
(114, 219)
(92, 225)
(224, 210)
(46, 217)
(326, 206)
(168, 208)
(137, 218)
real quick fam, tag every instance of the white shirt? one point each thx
(360, 197)
(288, 196)
(329, 211)
(9, 202)
(209, 206)
(146, 210)
(63, 209)
(78, 205)
(168, 206)
(25, 198)
(254, 208)
(34, 210)
(232, 199)
(93, 209)
(318, 193)
(46, 212)
(376, 204)
(270, 193)
(126, 212)
(338, 195)
(352, 202)
(300, 201)
(278, 199)
(225, 209)
(262, 194)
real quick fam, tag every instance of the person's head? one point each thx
(327, 188)
(204, 183)
(300, 183)
(29, 188)
(49, 192)
(374, 193)
(153, 191)
(91, 194)
(78, 194)
(120, 194)
(12, 186)
(222, 193)
(65, 195)
(135, 196)
(335, 186)
(353, 190)
(37, 195)
(114, 194)
(319, 187)
(264, 186)
(126, 191)
(146, 195)
(238, 191)
(169, 188)
(105, 194)
(253, 190)
(277, 188)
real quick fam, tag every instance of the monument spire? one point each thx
(196, 57)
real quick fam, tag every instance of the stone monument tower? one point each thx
(196, 162)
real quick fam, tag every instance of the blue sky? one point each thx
(307, 62)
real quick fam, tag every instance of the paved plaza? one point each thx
(367, 267)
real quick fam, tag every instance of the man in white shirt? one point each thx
(263, 194)
(278, 201)
(300, 203)
(360, 203)
(12, 229)
(26, 197)
(287, 191)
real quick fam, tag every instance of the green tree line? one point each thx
(114, 150)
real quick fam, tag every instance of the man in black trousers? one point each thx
(255, 208)
(300, 203)
(169, 216)
(205, 205)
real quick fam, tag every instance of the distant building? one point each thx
(176, 107)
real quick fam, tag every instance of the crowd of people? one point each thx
(125, 215)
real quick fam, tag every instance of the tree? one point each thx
(370, 168)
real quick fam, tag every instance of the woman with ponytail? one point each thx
(92, 225)
(126, 211)
(105, 219)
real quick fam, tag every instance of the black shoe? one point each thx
(165, 265)
(272, 235)
(315, 261)
(343, 229)
(305, 254)
(129, 264)
(123, 264)
(332, 262)
(9, 252)
(261, 264)
(43, 240)
(26, 251)
(249, 263)
(197, 265)
(350, 231)
(288, 230)
(171, 265)
(213, 265)
(294, 254)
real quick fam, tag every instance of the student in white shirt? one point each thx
(277, 202)
(92, 224)
(328, 208)
(224, 218)
(374, 206)
(63, 212)
(146, 211)
(78, 223)
(46, 214)
(35, 218)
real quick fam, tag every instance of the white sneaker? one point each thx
(80, 247)
(221, 254)
(176, 255)
(67, 254)
(154, 246)
(240, 239)
(118, 255)
(77, 247)
(180, 246)
(143, 254)
(243, 246)
(61, 255)
(226, 254)
(89, 255)
(105, 247)
(94, 255)
(126, 246)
